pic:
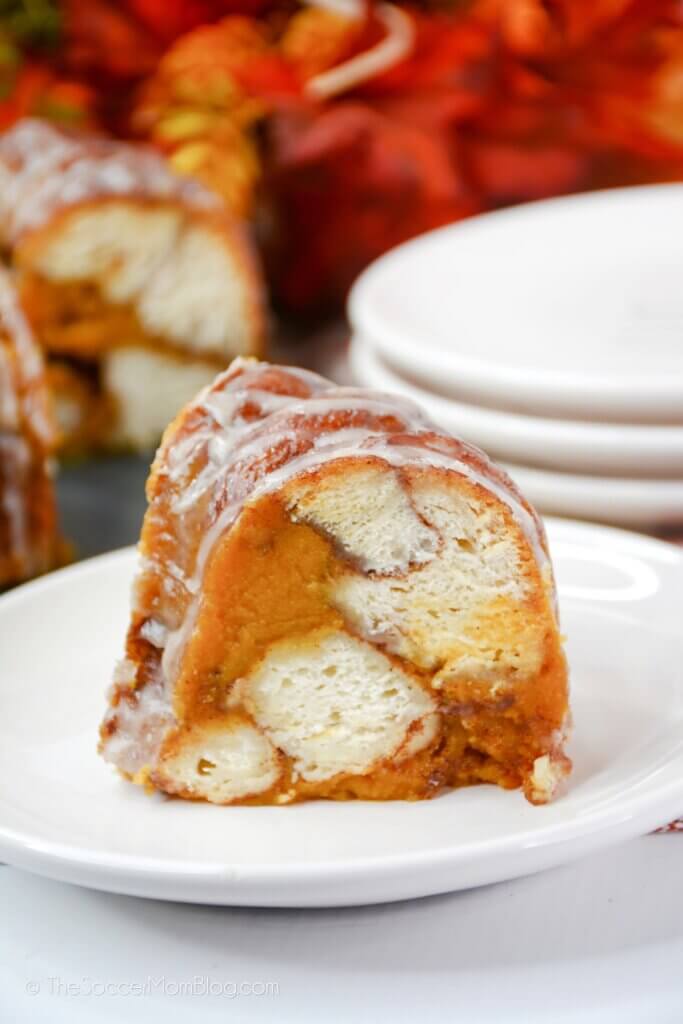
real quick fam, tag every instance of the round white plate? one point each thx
(568, 306)
(647, 504)
(64, 813)
(615, 448)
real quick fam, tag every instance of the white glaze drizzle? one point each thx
(154, 632)
(24, 420)
(27, 385)
(142, 720)
(43, 170)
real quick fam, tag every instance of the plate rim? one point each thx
(144, 866)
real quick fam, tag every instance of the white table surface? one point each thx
(598, 940)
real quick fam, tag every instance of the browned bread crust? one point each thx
(29, 541)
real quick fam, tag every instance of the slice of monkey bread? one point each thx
(138, 284)
(334, 600)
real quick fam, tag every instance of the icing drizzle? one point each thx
(44, 169)
(25, 423)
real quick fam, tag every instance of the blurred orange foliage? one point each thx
(342, 132)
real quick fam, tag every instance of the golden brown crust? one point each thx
(29, 539)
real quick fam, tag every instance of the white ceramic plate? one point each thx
(615, 448)
(65, 814)
(647, 504)
(568, 307)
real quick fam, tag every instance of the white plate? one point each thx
(646, 504)
(569, 306)
(614, 448)
(65, 814)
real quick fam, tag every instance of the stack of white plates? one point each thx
(550, 335)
